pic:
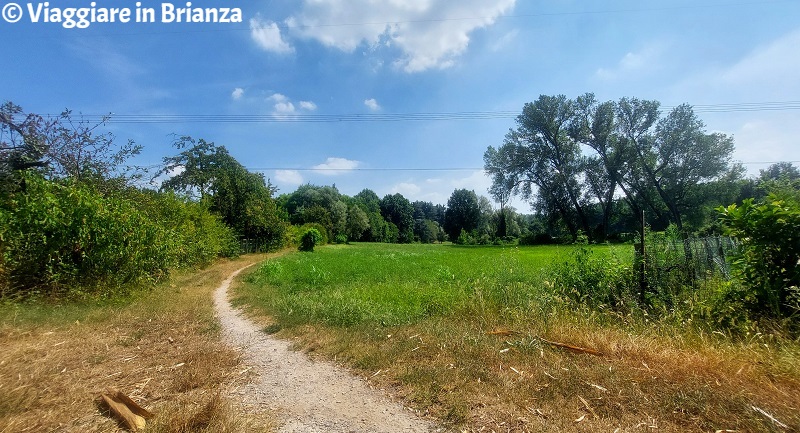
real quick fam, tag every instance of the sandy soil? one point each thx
(308, 396)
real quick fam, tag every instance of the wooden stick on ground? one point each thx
(572, 348)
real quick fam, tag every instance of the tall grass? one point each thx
(462, 332)
(389, 285)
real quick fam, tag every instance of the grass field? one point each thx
(465, 334)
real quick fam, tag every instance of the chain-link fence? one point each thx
(673, 263)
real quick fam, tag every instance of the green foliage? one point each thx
(462, 214)
(465, 238)
(66, 239)
(769, 264)
(340, 239)
(311, 238)
(599, 281)
(319, 227)
(243, 199)
(398, 211)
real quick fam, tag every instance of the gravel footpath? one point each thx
(308, 396)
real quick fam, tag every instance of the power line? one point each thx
(423, 169)
(115, 118)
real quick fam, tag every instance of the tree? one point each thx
(62, 147)
(243, 199)
(543, 162)
(397, 210)
(23, 143)
(684, 155)
(594, 125)
(779, 171)
(462, 213)
(357, 223)
(661, 165)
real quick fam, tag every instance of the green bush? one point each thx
(769, 263)
(67, 239)
(340, 239)
(58, 237)
(310, 239)
(597, 281)
(319, 227)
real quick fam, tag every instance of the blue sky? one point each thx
(333, 59)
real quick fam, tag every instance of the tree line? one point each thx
(76, 220)
(74, 214)
(593, 168)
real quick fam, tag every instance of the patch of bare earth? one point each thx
(308, 396)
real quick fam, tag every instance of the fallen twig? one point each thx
(589, 408)
(572, 348)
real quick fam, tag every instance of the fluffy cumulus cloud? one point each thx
(267, 35)
(372, 104)
(429, 34)
(308, 105)
(291, 177)
(334, 166)
(237, 93)
(283, 106)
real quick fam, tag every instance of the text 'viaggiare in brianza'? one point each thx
(83, 17)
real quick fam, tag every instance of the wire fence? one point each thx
(670, 262)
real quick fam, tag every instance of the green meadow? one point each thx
(347, 285)
(521, 338)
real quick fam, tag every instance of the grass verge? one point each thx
(464, 334)
(160, 347)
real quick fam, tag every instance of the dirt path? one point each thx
(307, 396)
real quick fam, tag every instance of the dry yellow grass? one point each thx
(460, 372)
(162, 349)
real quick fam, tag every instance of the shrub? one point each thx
(310, 239)
(769, 262)
(319, 227)
(340, 239)
(604, 281)
(60, 237)
(67, 238)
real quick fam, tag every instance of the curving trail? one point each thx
(309, 397)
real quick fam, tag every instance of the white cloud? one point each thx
(407, 189)
(283, 106)
(267, 35)
(308, 105)
(506, 40)
(237, 93)
(291, 177)
(773, 69)
(430, 34)
(631, 63)
(335, 166)
(372, 104)
(277, 97)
